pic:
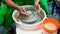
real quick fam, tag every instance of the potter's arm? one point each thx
(12, 4)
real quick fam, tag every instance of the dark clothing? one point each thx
(0, 0)
(54, 5)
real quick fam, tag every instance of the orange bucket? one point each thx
(53, 21)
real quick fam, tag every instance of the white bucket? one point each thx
(19, 23)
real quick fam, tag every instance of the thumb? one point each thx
(23, 9)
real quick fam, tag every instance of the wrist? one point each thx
(36, 1)
(18, 8)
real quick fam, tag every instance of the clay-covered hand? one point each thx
(37, 6)
(22, 11)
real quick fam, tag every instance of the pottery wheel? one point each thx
(32, 17)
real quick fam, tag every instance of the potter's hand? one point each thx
(22, 11)
(37, 6)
